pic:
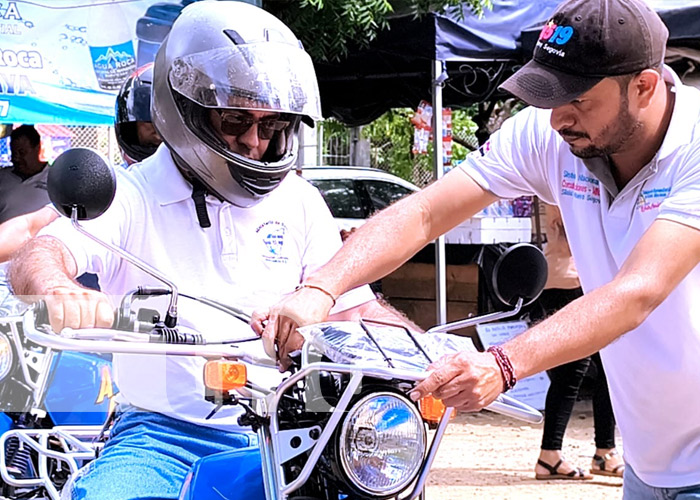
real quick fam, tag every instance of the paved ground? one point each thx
(487, 456)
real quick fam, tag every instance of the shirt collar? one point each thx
(684, 117)
(600, 167)
(167, 182)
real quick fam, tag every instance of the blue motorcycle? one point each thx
(341, 425)
(52, 407)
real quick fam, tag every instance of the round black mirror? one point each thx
(80, 177)
(520, 272)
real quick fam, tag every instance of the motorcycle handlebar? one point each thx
(41, 315)
(118, 341)
(105, 340)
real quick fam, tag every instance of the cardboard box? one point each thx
(490, 230)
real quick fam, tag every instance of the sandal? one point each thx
(577, 474)
(600, 465)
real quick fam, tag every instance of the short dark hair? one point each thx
(624, 80)
(27, 131)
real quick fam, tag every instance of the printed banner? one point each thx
(63, 61)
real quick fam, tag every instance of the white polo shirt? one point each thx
(248, 258)
(19, 197)
(654, 370)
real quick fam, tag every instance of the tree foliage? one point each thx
(391, 138)
(328, 27)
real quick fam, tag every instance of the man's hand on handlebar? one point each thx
(78, 307)
(278, 325)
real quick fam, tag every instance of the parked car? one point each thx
(353, 194)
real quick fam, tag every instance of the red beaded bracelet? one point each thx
(507, 370)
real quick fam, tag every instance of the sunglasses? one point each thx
(235, 123)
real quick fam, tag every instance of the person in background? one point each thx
(562, 287)
(137, 140)
(136, 135)
(23, 187)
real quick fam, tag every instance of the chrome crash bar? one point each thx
(76, 442)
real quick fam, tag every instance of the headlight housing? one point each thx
(382, 444)
(5, 356)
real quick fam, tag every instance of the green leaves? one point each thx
(328, 27)
(391, 138)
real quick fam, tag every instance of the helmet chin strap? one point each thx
(199, 193)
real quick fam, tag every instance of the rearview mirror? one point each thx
(81, 178)
(515, 276)
(520, 272)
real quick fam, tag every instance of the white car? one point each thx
(353, 194)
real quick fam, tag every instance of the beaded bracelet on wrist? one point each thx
(507, 370)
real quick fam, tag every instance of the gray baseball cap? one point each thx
(585, 41)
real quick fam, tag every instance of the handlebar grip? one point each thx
(41, 316)
(153, 291)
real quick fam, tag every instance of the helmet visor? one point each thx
(272, 76)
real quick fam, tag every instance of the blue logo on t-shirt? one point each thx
(273, 234)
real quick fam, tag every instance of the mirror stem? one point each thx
(477, 320)
(171, 314)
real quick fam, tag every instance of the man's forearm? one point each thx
(13, 234)
(42, 264)
(580, 329)
(384, 238)
(650, 273)
(394, 235)
(380, 310)
(17, 231)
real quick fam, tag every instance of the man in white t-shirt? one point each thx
(23, 187)
(616, 148)
(215, 211)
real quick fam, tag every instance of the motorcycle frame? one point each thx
(101, 340)
(79, 443)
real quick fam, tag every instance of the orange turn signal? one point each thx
(225, 375)
(432, 409)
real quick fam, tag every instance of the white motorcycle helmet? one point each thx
(232, 57)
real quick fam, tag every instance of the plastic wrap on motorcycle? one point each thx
(348, 343)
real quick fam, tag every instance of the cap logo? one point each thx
(555, 34)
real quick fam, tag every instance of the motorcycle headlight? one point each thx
(382, 443)
(5, 356)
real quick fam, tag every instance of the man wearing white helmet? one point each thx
(214, 210)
